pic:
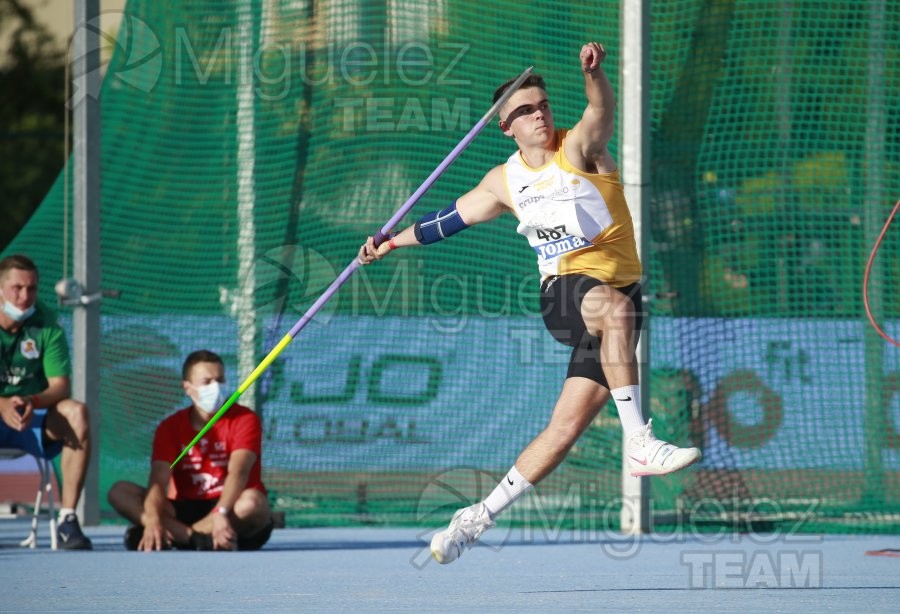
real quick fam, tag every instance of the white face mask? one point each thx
(16, 314)
(210, 397)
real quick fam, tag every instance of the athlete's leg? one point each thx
(577, 406)
(585, 391)
(610, 315)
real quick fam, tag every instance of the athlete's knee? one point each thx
(250, 503)
(564, 433)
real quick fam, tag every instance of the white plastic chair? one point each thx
(46, 470)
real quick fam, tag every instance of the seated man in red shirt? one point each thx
(214, 498)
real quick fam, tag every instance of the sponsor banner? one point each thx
(395, 393)
(781, 393)
(369, 393)
(400, 393)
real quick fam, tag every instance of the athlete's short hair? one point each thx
(530, 81)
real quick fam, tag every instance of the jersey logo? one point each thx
(523, 188)
(554, 249)
(204, 482)
(29, 349)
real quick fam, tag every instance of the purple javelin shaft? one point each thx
(410, 202)
(345, 275)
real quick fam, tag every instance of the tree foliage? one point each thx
(32, 115)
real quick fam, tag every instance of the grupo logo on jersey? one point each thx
(527, 202)
(561, 193)
(136, 49)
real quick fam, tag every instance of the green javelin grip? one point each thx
(380, 236)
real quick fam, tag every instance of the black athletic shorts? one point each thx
(561, 297)
(189, 511)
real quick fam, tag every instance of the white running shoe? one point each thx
(648, 455)
(465, 528)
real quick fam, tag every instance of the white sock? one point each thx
(65, 511)
(510, 488)
(628, 402)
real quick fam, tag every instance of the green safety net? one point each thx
(249, 147)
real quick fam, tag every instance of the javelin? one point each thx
(379, 237)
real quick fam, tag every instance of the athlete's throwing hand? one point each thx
(368, 252)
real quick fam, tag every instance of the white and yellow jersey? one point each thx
(577, 222)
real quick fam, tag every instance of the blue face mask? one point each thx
(16, 314)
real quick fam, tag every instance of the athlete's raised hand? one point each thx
(592, 56)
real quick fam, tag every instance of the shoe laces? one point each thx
(70, 523)
(644, 436)
(646, 440)
(473, 522)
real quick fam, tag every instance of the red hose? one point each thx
(887, 224)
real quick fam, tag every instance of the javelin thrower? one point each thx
(563, 186)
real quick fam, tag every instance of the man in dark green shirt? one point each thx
(36, 413)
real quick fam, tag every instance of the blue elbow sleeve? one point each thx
(437, 225)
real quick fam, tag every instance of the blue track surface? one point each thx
(388, 570)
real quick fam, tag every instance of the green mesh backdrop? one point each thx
(249, 147)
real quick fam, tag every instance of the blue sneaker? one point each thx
(70, 535)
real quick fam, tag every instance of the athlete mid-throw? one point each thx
(564, 188)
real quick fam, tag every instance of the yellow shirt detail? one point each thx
(576, 222)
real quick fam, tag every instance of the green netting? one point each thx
(249, 147)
